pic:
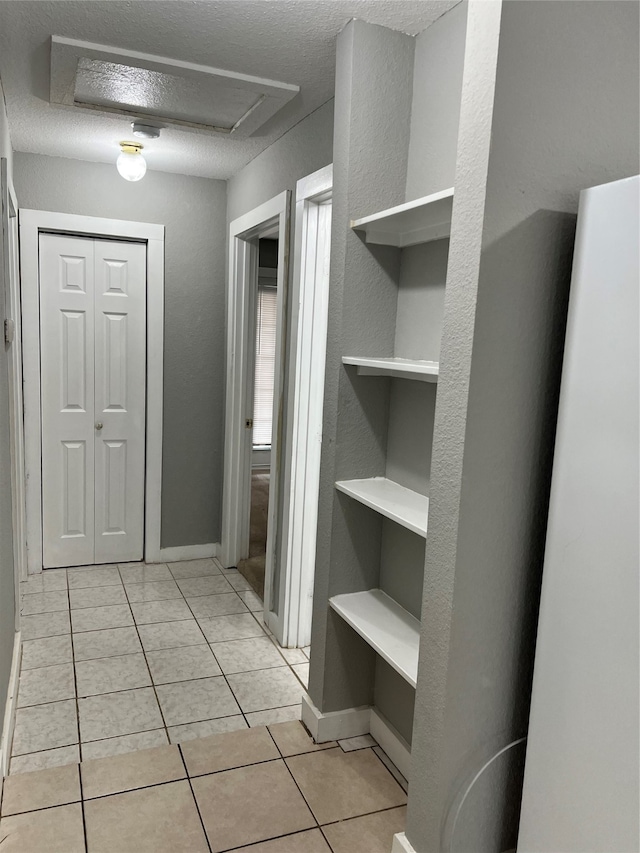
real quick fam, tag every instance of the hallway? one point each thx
(120, 658)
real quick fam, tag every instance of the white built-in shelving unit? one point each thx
(404, 506)
(380, 620)
(400, 368)
(419, 221)
(385, 625)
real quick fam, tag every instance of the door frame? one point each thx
(10, 283)
(32, 223)
(271, 218)
(310, 296)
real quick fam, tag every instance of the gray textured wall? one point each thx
(565, 116)
(193, 211)
(7, 591)
(306, 148)
(435, 112)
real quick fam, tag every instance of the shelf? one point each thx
(419, 221)
(385, 626)
(401, 368)
(408, 508)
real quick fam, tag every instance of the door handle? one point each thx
(99, 424)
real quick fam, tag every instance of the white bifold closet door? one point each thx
(93, 368)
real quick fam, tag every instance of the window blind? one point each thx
(265, 365)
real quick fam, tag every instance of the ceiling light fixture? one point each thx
(144, 131)
(130, 163)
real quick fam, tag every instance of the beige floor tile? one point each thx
(47, 651)
(125, 743)
(250, 804)
(238, 581)
(163, 819)
(49, 580)
(265, 689)
(247, 655)
(41, 789)
(114, 714)
(45, 625)
(339, 785)
(141, 573)
(110, 642)
(358, 742)
(85, 576)
(43, 727)
(182, 664)
(168, 610)
(293, 739)
(56, 830)
(203, 606)
(193, 569)
(310, 841)
(152, 591)
(126, 772)
(253, 601)
(97, 596)
(369, 834)
(191, 701)
(44, 602)
(211, 585)
(237, 626)
(274, 715)
(294, 656)
(109, 675)
(46, 758)
(391, 767)
(100, 618)
(229, 750)
(46, 684)
(170, 635)
(302, 671)
(204, 728)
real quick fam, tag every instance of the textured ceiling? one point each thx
(292, 41)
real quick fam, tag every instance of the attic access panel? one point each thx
(107, 79)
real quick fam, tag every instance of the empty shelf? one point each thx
(418, 221)
(401, 368)
(392, 631)
(404, 506)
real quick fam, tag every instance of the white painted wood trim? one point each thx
(10, 706)
(391, 742)
(401, 844)
(403, 368)
(335, 725)
(418, 221)
(404, 506)
(32, 222)
(243, 270)
(310, 293)
(188, 552)
(386, 626)
(11, 286)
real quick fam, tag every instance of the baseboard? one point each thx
(391, 742)
(10, 707)
(189, 552)
(401, 844)
(336, 724)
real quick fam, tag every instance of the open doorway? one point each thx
(252, 288)
(266, 305)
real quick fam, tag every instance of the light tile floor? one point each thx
(260, 790)
(129, 657)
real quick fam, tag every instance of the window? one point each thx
(265, 364)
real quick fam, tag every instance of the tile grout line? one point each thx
(193, 794)
(75, 686)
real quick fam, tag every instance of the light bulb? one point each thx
(130, 163)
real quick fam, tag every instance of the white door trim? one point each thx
(310, 295)
(244, 233)
(9, 276)
(32, 222)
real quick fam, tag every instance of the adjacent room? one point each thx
(319, 426)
